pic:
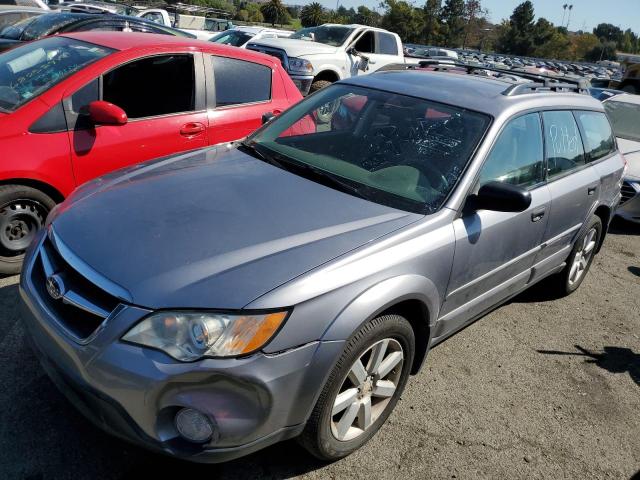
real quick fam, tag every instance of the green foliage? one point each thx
(402, 18)
(453, 21)
(274, 12)
(312, 15)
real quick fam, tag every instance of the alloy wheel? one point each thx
(367, 389)
(583, 256)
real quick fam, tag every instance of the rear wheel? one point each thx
(319, 85)
(362, 390)
(23, 211)
(580, 258)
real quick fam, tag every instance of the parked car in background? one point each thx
(315, 57)
(431, 52)
(76, 106)
(203, 27)
(96, 6)
(624, 112)
(11, 4)
(241, 36)
(210, 304)
(13, 15)
(57, 23)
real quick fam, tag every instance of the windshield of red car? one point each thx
(30, 70)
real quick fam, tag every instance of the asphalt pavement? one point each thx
(540, 388)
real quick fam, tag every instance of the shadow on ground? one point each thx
(611, 359)
(620, 226)
(43, 436)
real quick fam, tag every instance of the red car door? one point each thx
(239, 93)
(163, 97)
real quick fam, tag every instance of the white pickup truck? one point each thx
(315, 57)
(202, 27)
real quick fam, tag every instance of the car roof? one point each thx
(473, 92)
(133, 40)
(625, 98)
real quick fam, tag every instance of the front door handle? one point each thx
(591, 190)
(191, 128)
(537, 215)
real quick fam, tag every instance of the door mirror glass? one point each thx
(363, 64)
(105, 113)
(501, 197)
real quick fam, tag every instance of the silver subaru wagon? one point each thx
(212, 303)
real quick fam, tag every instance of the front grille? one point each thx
(82, 306)
(274, 52)
(628, 192)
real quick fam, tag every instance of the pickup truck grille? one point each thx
(628, 192)
(77, 304)
(274, 52)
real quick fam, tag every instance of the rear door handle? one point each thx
(591, 190)
(191, 128)
(537, 215)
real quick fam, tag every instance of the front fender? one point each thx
(381, 297)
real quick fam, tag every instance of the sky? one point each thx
(586, 14)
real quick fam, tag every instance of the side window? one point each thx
(153, 17)
(110, 26)
(563, 143)
(238, 82)
(366, 43)
(517, 156)
(129, 87)
(387, 44)
(597, 134)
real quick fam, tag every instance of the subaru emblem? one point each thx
(55, 287)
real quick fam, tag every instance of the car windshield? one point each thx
(334, 35)
(47, 24)
(14, 32)
(401, 151)
(625, 119)
(28, 71)
(234, 38)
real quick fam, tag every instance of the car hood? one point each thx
(296, 48)
(631, 151)
(214, 228)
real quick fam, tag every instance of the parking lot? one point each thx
(540, 388)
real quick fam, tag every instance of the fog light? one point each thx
(193, 425)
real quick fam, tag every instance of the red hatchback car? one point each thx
(76, 106)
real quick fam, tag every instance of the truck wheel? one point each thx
(362, 390)
(23, 211)
(318, 84)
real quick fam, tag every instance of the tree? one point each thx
(274, 12)
(582, 44)
(312, 15)
(365, 16)
(516, 36)
(607, 32)
(402, 18)
(453, 17)
(255, 15)
(475, 20)
(431, 22)
(549, 41)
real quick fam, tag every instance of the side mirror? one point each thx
(363, 64)
(105, 113)
(502, 197)
(267, 117)
(352, 51)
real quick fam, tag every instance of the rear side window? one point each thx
(387, 44)
(238, 82)
(563, 143)
(129, 87)
(517, 157)
(596, 133)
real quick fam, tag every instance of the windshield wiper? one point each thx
(251, 149)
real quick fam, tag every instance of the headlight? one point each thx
(300, 65)
(188, 336)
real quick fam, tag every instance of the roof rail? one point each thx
(546, 85)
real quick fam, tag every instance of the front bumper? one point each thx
(134, 393)
(629, 207)
(303, 83)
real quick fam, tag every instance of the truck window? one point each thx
(238, 82)
(154, 17)
(387, 44)
(366, 43)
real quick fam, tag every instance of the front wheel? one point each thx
(23, 211)
(362, 389)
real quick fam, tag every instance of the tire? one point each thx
(23, 211)
(325, 436)
(318, 85)
(571, 277)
